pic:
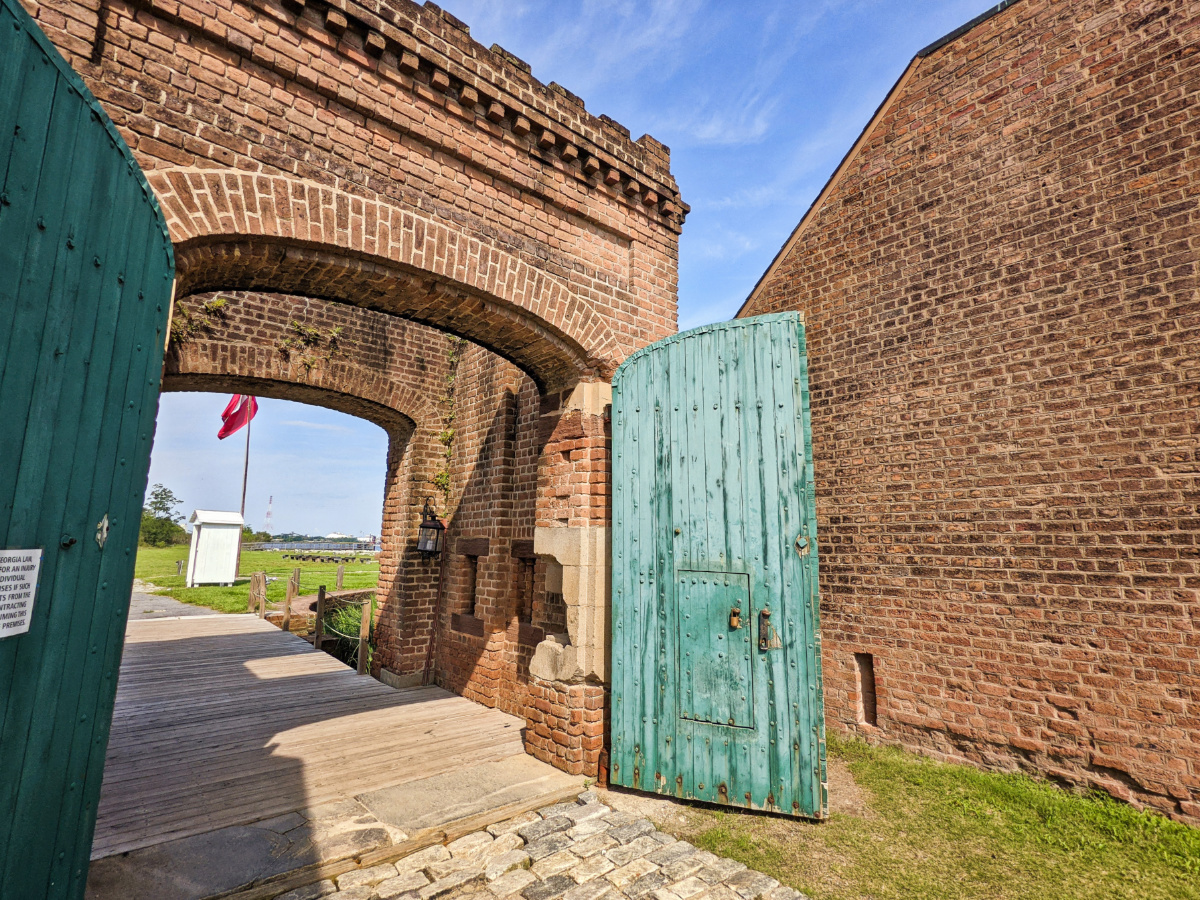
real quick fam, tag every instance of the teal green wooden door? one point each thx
(716, 650)
(86, 271)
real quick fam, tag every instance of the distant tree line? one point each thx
(295, 537)
(162, 526)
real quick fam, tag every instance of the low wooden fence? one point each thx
(320, 603)
(317, 557)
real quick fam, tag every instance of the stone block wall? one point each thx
(1000, 292)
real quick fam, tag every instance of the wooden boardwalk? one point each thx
(226, 720)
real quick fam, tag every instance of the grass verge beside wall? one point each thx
(935, 831)
(156, 565)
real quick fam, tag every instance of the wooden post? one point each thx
(285, 623)
(320, 627)
(293, 591)
(262, 598)
(364, 634)
(179, 566)
(341, 573)
(258, 586)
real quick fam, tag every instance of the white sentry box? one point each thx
(212, 558)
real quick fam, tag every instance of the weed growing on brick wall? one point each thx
(446, 436)
(307, 340)
(187, 325)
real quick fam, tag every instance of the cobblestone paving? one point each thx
(581, 850)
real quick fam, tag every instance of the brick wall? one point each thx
(508, 448)
(376, 156)
(1001, 297)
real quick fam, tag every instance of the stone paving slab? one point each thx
(230, 859)
(143, 605)
(580, 850)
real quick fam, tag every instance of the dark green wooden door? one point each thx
(86, 271)
(716, 651)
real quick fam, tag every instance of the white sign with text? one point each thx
(18, 588)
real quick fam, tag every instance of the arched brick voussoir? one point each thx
(259, 232)
(217, 366)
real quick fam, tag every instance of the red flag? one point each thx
(239, 412)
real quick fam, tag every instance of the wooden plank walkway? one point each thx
(226, 720)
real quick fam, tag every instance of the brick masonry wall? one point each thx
(376, 155)
(1001, 300)
(385, 132)
(398, 375)
(507, 450)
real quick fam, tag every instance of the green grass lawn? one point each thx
(933, 831)
(157, 566)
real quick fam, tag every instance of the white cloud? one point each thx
(719, 244)
(721, 124)
(316, 426)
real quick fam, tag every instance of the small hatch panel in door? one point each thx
(715, 676)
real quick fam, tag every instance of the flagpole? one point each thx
(246, 468)
(245, 474)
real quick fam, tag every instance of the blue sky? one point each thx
(325, 469)
(758, 102)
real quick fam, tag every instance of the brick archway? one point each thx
(377, 156)
(515, 477)
(248, 232)
(382, 369)
(344, 386)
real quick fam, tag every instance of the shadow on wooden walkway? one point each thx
(239, 753)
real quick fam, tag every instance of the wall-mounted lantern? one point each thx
(432, 532)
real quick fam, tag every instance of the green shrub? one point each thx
(160, 532)
(341, 634)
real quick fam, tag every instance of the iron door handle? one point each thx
(764, 629)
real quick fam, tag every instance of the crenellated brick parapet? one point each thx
(497, 91)
(426, 51)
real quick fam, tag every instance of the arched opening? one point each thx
(417, 384)
(231, 234)
(317, 471)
